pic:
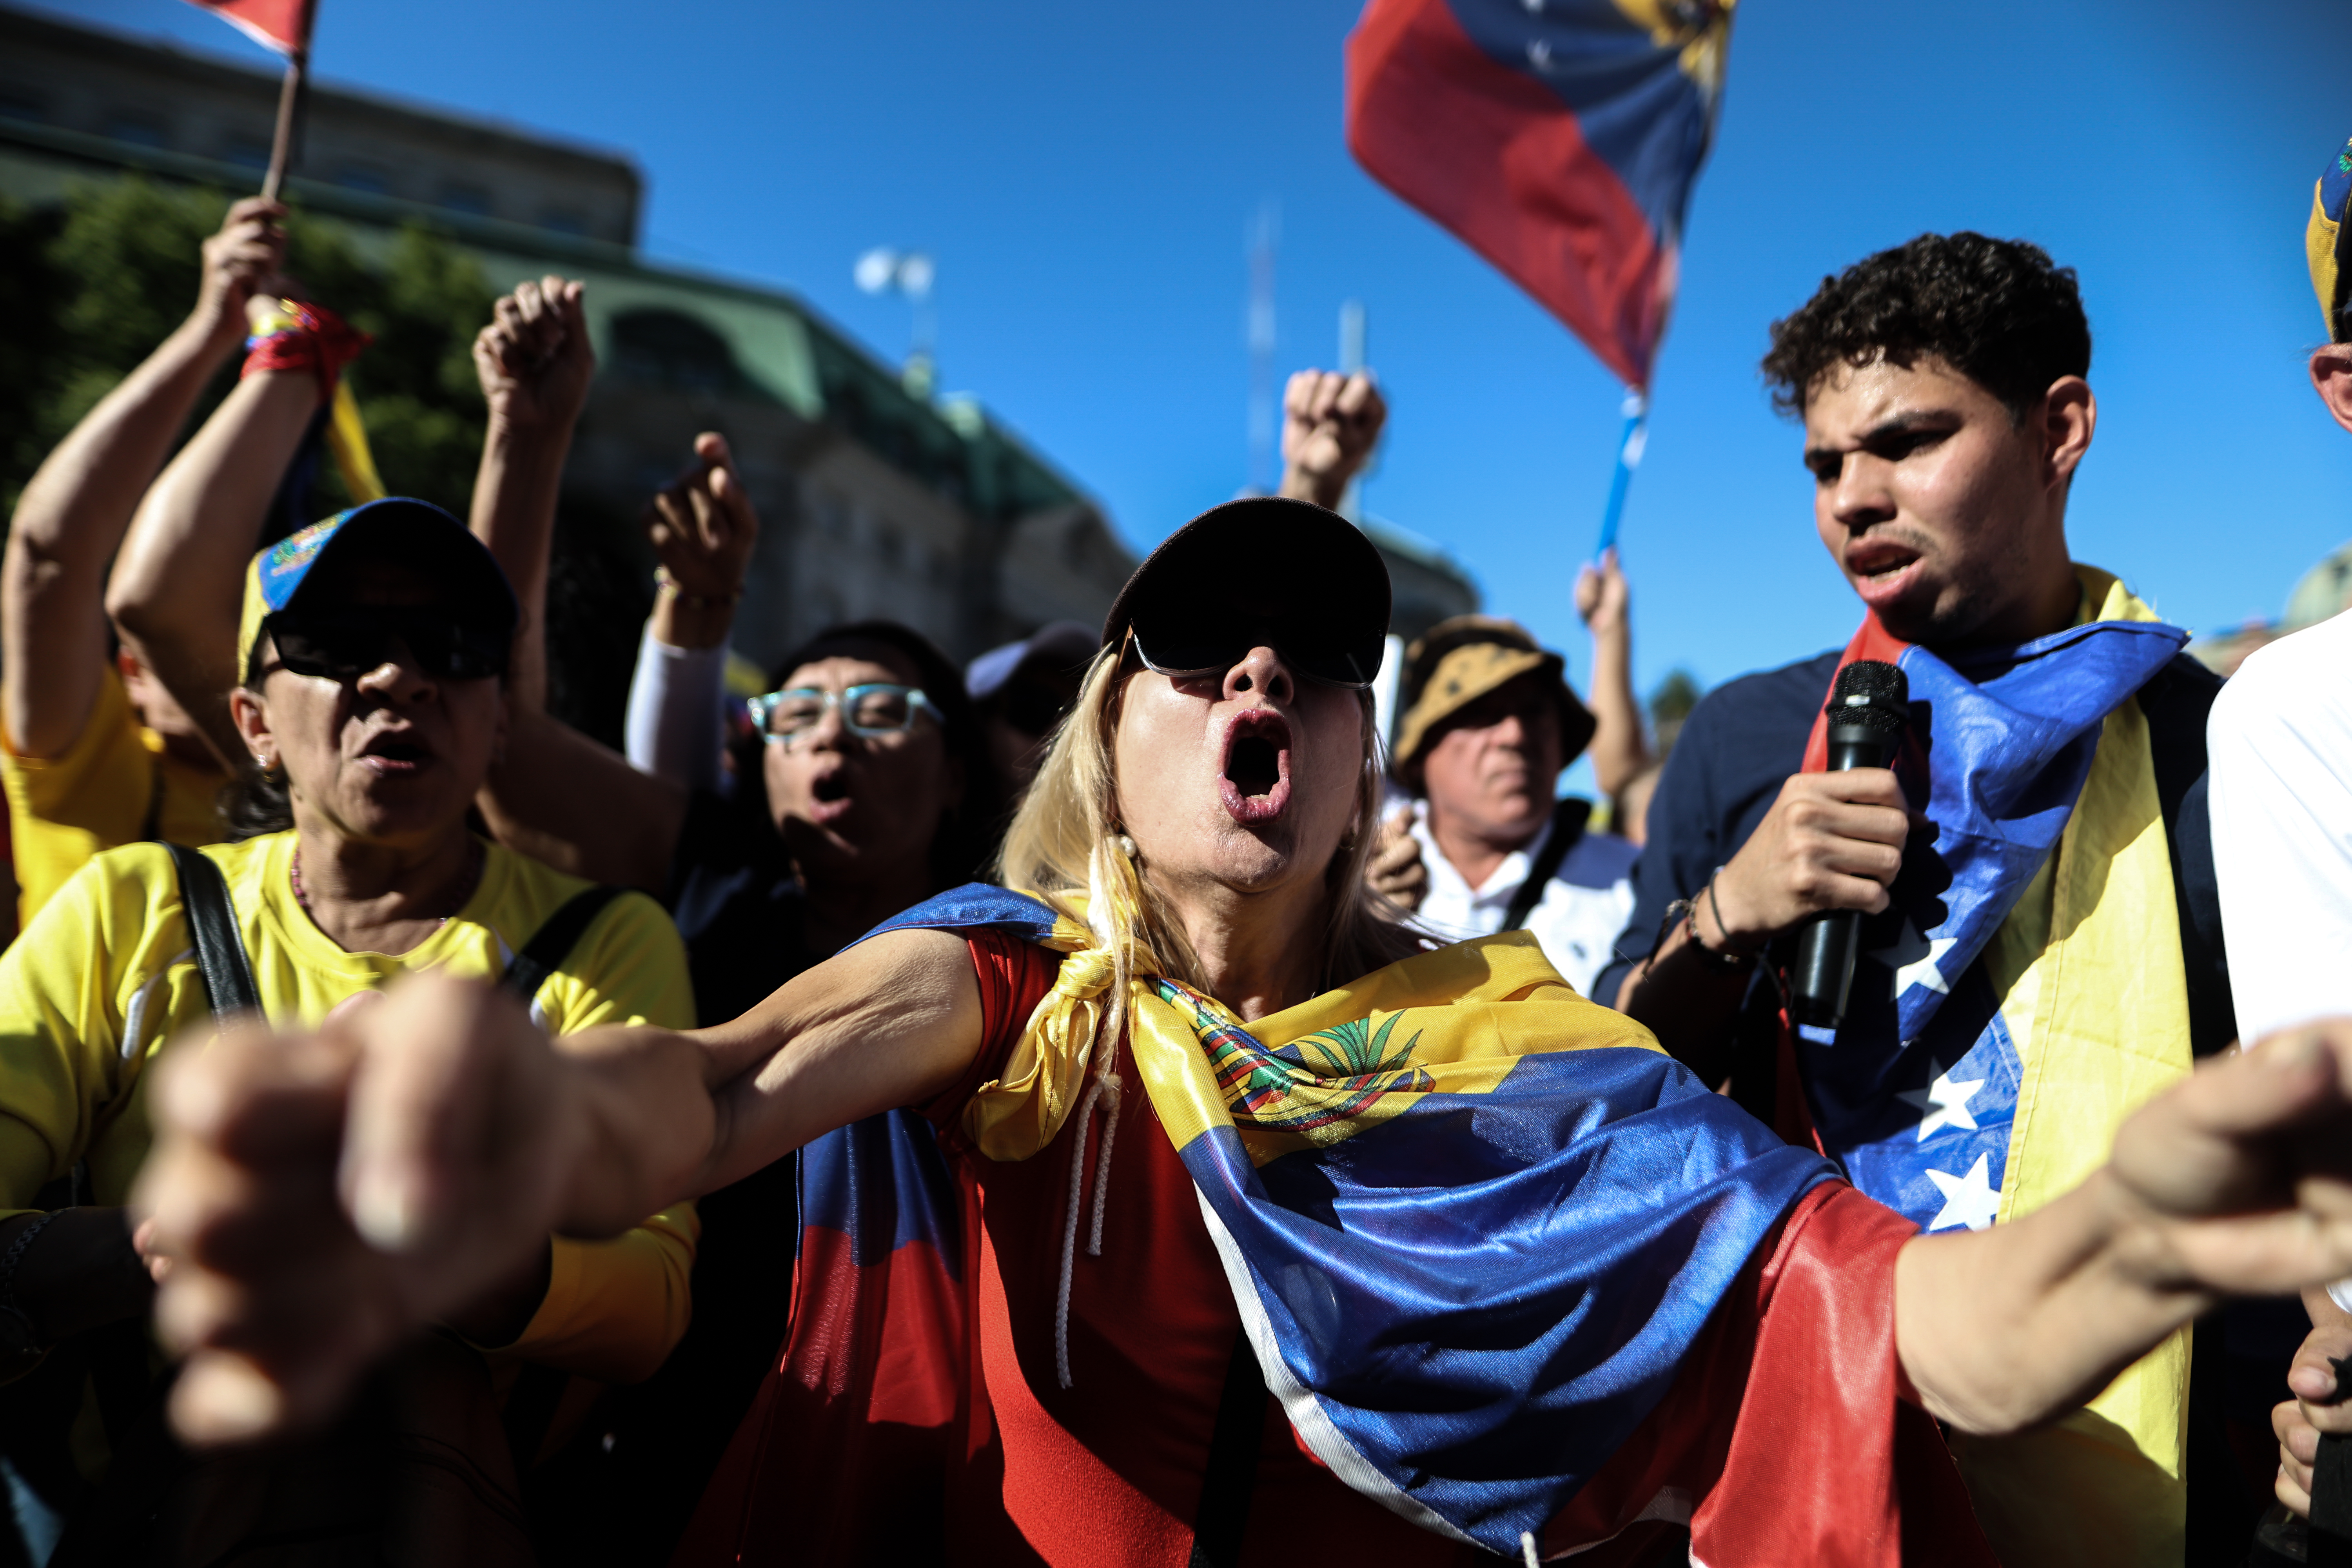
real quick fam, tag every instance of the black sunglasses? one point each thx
(1193, 649)
(356, 638)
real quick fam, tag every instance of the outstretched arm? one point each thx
(53, 630)
(2237, 1182)
(323, 1196)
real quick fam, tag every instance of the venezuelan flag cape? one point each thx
(1475, 1227)
(1559, 139)
(2022, 996)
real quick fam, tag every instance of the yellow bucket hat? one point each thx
(1460, 661)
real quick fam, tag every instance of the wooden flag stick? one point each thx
(290, 115)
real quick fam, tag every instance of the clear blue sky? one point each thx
(1084, 174)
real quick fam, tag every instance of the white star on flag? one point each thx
(1972, 1200)
(1943, 1104)
(1913, 959)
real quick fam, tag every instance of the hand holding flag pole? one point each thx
(283, 25)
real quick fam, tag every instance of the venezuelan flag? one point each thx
(1504, 1264)
(1557, 138)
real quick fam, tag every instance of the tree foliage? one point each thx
(89, 289)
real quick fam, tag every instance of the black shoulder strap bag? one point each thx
(1569, 815)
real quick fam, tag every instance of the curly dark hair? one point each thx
(1999, 311)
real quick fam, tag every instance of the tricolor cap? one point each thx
(2327, 242)
(413, 533)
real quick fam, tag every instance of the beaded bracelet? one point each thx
(662, 579)
(1728, 962)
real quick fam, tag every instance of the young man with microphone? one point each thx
(2038, 944)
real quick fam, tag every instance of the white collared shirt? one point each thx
(1586, 904)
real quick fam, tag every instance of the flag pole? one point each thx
(289, 114)
(1630, 444)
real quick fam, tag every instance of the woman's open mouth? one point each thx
(829, 797)
(1256, 785)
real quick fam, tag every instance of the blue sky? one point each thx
(1085, 174)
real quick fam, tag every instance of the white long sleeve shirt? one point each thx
(2279, 748)
(676, 699)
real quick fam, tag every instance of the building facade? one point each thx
(874, 500)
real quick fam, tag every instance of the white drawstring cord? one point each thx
(1528, 1548)
(1108, 1086)
(1106, 1082)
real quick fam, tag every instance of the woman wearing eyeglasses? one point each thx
(1292, 1242)
(372, 653)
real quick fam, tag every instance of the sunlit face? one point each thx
(395, 756)
(1932, 500)
(1249, 783)
(1495, 762)
(864, 805)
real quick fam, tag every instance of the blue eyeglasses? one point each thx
(874, 708)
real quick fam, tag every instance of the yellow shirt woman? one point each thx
(105, 979)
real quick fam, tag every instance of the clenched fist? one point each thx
(534, 359)
(1329, 424)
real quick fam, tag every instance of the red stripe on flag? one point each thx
(1825, 1458)
(843, 1458)
(280, 24)
(1497, 158)
(1873, 641)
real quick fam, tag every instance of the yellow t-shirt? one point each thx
(115, 784)
(105, 977)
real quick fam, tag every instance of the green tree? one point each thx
(1670, 704)
(87, 291)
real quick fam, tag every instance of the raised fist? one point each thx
(1602, 594)
(534, 359)
(241, 260)
(1329, 424)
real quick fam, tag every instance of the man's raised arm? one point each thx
(53, 629)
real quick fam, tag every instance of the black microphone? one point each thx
(1869, 708)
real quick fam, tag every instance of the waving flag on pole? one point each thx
(280, 24)
(283, 25)
(1559, 139)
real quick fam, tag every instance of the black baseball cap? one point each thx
(1263, 570)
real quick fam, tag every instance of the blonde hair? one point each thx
(1065, 839)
